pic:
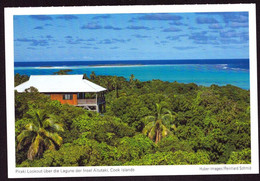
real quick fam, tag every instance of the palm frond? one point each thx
(58, 127)
(52, 123)
(49, 144)
(159, 109)
(34, 148)
(174, 127)
(53, 136)
(152, 133)
(31, 127)
(149, 119)
(174, 113)
(148, 127)
(166, 111)
(30, 113)
(23, 135)
(167, 118)
(19, 146)
(23, 142)
(41, 116)
(48, 122)
(164, 131)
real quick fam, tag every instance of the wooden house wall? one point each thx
(59, 97)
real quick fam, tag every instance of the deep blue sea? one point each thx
(201, 72)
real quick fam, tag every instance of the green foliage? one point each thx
(213, 125)
(32, 98)
(240, 157)
(102, 129)
(172, 143)
(41, 132)
(134, 148)
(62, 72)
(20, 79)
(173, 158)
(93, 75)
(65, 114)
(67, 155)
(132, 109)
(158, 126)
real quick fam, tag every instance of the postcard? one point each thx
(131, 90)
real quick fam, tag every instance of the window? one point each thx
(67, 96)
(81, 95)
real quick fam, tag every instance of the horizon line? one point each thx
(133, 60)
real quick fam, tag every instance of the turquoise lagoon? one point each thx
(201, 74)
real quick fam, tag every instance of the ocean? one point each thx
(202, 72)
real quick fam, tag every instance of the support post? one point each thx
(97, 108)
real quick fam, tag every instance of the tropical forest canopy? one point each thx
(145, 123)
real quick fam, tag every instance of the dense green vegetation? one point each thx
(146, 123)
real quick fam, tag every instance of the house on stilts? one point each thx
(68, 89)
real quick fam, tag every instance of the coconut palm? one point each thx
(40, 133)
(131, 80)
(85, 76)
(159, 125)
(115, 84)
(93, 76)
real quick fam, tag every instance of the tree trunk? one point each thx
(160, 136)
(157, 137)
(117, 95)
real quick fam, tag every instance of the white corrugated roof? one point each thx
(59, 83)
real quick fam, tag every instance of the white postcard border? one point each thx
(14, 172)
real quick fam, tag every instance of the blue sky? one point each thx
(131, 36)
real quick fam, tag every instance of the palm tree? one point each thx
(85, 76)
(115, 84)
(159, 125)
(40, 133)
(93, 75)
(131, 80)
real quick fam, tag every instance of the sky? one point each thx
(156, 36)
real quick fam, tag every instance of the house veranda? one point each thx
(68, 89)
